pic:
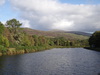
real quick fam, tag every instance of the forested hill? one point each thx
(69, 35)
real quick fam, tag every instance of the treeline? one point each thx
(13, 40)
(94, 41)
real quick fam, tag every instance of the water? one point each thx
(57, 61)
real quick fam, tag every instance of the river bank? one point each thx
(23, 50)
(15, 51)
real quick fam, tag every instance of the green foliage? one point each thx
(2, 49)
(51, 43)
(94, 40)
(4, 41)
(36, 40)
(1, 28)
(26, 41)
(15, 32)
(13, 25)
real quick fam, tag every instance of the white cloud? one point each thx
(2, 2)
(62, 25)
(51, 14)
(25, 23)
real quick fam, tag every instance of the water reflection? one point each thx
(58, 61)
(2, 60)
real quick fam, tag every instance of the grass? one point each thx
(29, 49)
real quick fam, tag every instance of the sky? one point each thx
(68, 15)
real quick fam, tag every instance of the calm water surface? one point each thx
(57, 61)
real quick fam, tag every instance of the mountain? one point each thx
(79, 33)
(75, 32)
(71, 35)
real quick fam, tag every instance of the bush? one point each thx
(2, 49)
(4, 41)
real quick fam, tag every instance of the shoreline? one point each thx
(13, 51)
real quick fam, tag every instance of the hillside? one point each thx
(79, 33)
(68, 35)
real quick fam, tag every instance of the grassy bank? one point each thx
(27, 49)
(22, 50)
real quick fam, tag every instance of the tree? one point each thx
(13, 25)
(94, 40)
(1, 28)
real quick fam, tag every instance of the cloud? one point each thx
(62, 24)
(51, 14)
(25, 23)
(2, 2)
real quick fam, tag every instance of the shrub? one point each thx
(2, 49)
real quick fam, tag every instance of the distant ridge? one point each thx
(74, 32)
(79, 33)
(71, 35)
